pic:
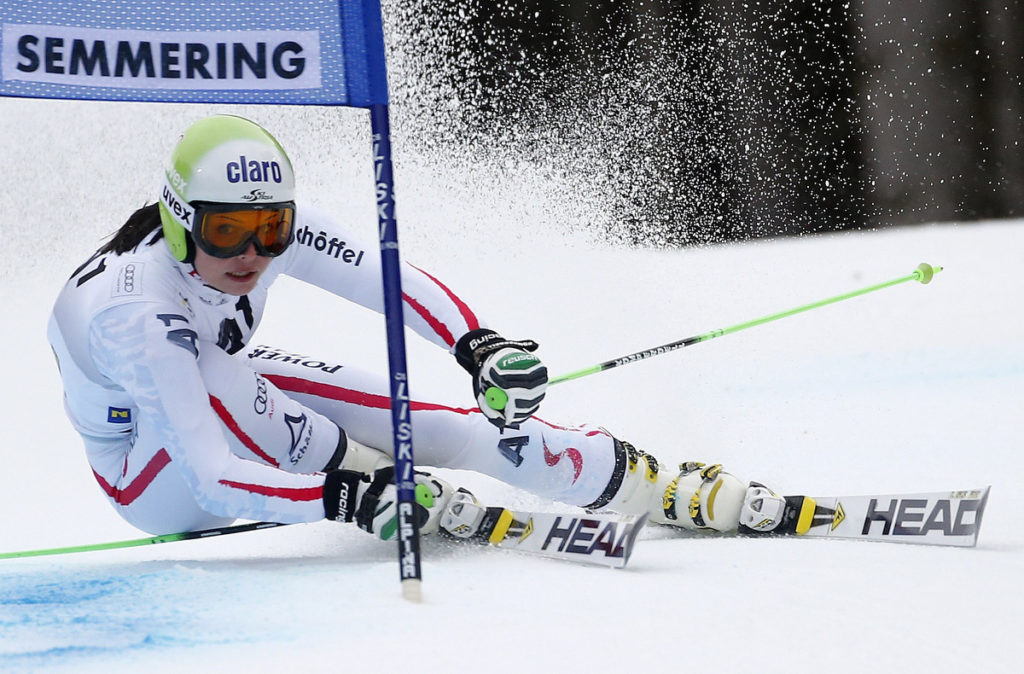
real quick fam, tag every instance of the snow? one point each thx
(913, 388)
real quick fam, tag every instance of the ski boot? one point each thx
(699, 497)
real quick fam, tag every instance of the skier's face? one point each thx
(233, 275)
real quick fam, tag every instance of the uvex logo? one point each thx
(175, 179)
(181, 210)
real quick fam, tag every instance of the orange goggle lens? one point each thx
(226, 232)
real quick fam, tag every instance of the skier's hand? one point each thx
(509, 382)
(371, 500)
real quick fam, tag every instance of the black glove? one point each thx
(509, 382)
(372, 500)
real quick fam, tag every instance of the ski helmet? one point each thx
(223, 159)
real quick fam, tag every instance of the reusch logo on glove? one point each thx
(518, 361)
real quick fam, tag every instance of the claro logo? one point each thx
(253, 171)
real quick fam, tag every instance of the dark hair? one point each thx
(139, 225)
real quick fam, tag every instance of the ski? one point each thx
(950, 518)
(947, 518)
(603, 539)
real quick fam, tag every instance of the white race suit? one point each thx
(186, 427)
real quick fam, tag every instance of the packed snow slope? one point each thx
(914, 388)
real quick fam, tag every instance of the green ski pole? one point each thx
(137, 542)
(496, 398)
(923, 274)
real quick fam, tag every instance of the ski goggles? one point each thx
(226, 230)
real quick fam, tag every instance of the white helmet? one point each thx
(222, 159)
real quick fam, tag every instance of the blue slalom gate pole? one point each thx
(408, 527)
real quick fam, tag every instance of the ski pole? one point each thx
(137, 542)
(923, 274)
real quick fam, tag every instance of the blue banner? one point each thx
(309, 52)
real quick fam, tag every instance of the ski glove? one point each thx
(509, 382)
(371, 500)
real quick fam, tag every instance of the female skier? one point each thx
(186, 428)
